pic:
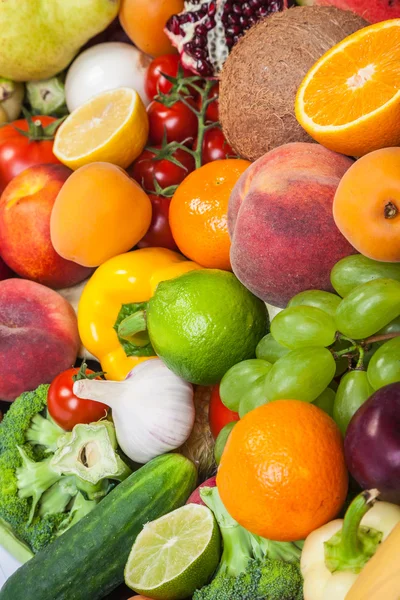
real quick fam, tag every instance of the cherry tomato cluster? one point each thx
(184, 134)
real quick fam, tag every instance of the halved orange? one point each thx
(350, 99)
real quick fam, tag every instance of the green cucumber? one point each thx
(88, 560)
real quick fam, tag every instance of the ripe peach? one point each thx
(284, 239)
(366, 207)
(25, 209)
(99, 213)
(38, 336)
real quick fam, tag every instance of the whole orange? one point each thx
(198, 212)
(283, 473)
(144, 22)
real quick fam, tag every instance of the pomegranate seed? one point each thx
(255, 3)
(233, 30)
(209, 24)
(233, 19)
(252, 21)
(173, 25)
(199, 40)
(199, 53)
(247, 10)
(229, 42)
(237, 9)
(236, 39)
(203, 68)
(212, 8)
(244, 22)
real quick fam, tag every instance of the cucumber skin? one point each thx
(87, 561)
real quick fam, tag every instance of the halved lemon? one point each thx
(111, 127)
(350, 99)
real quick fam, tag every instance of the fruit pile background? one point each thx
(200, 298)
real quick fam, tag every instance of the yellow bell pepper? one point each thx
(124, 279)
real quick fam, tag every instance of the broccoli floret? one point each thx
(18, 418)
(251, 567)
(43, 432)
(264, 579)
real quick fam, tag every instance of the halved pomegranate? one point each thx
(205, 32)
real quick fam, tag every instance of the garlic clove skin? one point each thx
(153, 409)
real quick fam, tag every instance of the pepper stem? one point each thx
(351, 547)
(134, 329)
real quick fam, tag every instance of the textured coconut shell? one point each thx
(261, 76)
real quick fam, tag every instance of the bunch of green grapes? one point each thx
(331, 349)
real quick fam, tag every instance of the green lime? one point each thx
(204, 322)
(175, 555)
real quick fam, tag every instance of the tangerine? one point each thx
(198, 212)
(283, 473)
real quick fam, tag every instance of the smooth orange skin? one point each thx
(25, 208)
(359, 205)
(144, 21)
(283, 473)
(99, 213)
(198, 212)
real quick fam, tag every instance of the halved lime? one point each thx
(175, 555)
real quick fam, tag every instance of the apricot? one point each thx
(284, 239)
(366, 206)
(100, 212)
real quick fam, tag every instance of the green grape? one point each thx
(242, 379)
(253, 399)
(302, 374)
(324, 300)
(303, 326)
(368, 308)
(221, 440)
(392, 327)
(354, 270)
(354, 389)
(369, 353)
(384, 366)
(269, 349)
(325, 401)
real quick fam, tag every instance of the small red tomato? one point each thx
(218, 414)
(212, 112)
(150, 166)
(65, 408)
(155, 81)
(215, 146)
(33, 146)
(159, 234)
(178, 122)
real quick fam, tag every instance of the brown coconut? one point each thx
(261, 76)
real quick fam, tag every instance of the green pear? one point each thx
(39, 38)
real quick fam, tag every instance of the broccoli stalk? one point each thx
(12, 544)
(33, 479)
(58, 496)
(251, 567)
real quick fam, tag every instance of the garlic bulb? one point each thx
(152, 410)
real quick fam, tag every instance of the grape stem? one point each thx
(380, 338)
(358, 349)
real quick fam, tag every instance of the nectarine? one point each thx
(366, 207)
(25, 245)
(38, 336)
(284, 239)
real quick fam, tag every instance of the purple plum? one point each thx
(372, 443)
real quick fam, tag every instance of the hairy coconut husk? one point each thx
(261, 76)
(199, 447)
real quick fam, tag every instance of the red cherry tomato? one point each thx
(212, 112)
(215, 146)
(155, 81)
(178, 122)
(18, 151)
(218, 414)
(150, 166)
(65, 408)
(159, 234)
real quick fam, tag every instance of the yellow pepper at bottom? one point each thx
(125, 279)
